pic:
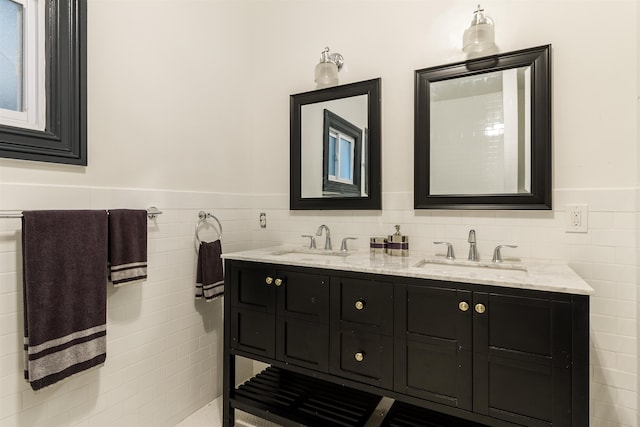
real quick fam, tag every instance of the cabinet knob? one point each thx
(359, 356)
(463, 306)
(480, 308)
(359, 305)
(278, 282)
(268, 280)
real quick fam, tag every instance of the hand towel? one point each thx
(127, 246)
(210, 273)
(65, 297)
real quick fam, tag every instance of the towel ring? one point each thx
(203, 218)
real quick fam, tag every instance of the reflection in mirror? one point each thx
(341, 158)
(483, 133)
(487, 118)
(332, 135)
(335, 147)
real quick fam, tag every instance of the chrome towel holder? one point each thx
(203, 216)
(152, 213)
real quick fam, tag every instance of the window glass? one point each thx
(11, 55)
(346, 165)
(332, 155)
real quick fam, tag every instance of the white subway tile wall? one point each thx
(164, 349)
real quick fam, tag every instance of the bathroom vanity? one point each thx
(453, 343)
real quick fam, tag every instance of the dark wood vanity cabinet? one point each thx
(491, 356)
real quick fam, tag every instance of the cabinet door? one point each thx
(522, 359)
(253, 306)
(253, 287)
(433, 343)
(303, 319)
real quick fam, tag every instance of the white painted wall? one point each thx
(189, 110)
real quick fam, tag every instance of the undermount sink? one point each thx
(303, 254)
(474, 269)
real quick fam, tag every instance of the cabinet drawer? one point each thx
(366, 303)
(363, 356)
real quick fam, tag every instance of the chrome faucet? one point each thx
(473, 250)
(327, 242)
(343, 246)
(312, 241)
(497, 256)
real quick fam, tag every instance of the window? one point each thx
(341, 157)
(22, 83)
(43, 80)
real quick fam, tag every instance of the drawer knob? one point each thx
(268, 280)
(359, 356)
(480, 308)
(359, 305)
(463, 306)
(278, 282)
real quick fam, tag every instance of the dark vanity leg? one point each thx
(580, 374)
(228, 361)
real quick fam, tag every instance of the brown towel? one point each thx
(127, 246)
(210, 275)
(65, 298)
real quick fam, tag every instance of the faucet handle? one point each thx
(343, 246)
(450, 254)
(497, 256)
(312, 242)
(472, 236)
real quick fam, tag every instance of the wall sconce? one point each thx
(326, 72)
(479, 37)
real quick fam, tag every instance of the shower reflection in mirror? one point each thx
(487, 118)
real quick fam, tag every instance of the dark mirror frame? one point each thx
(64, 139)
(539, 58)
(373, 201)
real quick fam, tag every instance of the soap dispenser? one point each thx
(397, 244)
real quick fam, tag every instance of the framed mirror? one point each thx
(483, 133)
(335, 148)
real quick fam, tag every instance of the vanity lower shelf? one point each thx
(294, 399)
(289, 398)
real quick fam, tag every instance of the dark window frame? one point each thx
(64, 139)
(334, 121)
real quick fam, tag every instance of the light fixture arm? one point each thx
(335, 57)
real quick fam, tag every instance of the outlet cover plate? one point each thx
(577, 218)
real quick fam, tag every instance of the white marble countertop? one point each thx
(552, 277)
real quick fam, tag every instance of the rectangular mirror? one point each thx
(335, 147)
(483, 133)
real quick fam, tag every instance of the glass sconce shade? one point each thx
(326, 71)
(479, 35)
(326, 74)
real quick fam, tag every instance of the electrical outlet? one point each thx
(577, 218)
(263, 220)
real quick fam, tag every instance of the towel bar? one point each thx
(203, 218)
(152, 213)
